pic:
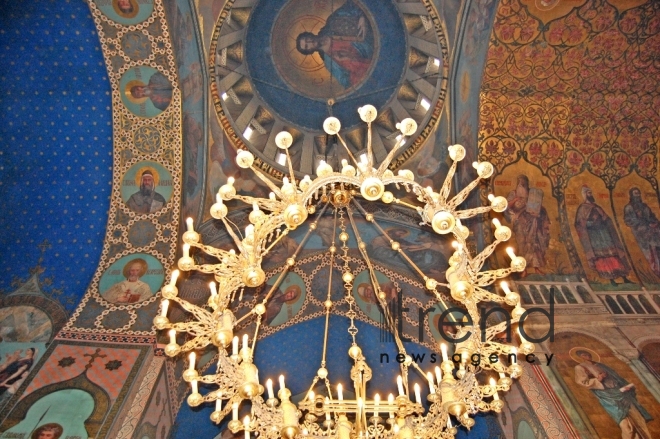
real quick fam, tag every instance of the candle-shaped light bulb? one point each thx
(449, 422)
(360, 407)
(327, 413)
(497, 223)
(399, 385)
(418, 394)
(491, 197)
(454, 244)
(218, 198)
(218, 404)
(234, 345)
(438, 374)
(443, 348)
(510, 252)
(429, 376)
(494, 384)
(172, 336)
(214, 290)
(245, 341)
(502, 375)
(376, 404)
(186, 250)
(189, 224)
(269, 387)
(285, 180)
(311, 395)
(505, 287)
(164, 305)
(246, 426)
(191, 361)
(249, 230)
(271, 195)
(175, 276)
(340, 392)
(234, 411)
(390, 405)
(230, 181)
(282, 382)
(514, 355)
(193, 385)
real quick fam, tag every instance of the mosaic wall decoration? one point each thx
(143, 218)
(569, 117)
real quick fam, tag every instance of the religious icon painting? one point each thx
(126, 12)
(286, 301)
(132, 279)
(145, 91)
(146, 187)
(327, 53)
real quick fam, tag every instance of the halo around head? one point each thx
(134, 11)
(574, 356)
(127, 91)
(142, 170)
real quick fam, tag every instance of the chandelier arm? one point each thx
(266, 180)
(290, 163)
(478, 261)
(485, 278)
(234, 236)
(463, 194)
(446, 186)
(350, 154)
(469, 213)
(383, 166)
(272, 244)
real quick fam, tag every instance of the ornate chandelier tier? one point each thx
(457, 389)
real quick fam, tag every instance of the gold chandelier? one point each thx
(455, 389)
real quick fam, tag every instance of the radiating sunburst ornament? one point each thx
(455, 392)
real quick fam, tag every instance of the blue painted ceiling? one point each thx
(55, 146)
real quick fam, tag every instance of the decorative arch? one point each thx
(92, 424)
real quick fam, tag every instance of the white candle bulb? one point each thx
(390, 404)
(191, 361)
(418, 394)
(172, 336)
(438, 374)
(505, 287)
(510, 252)
(218, 404)
(376, 404)
(497, 222)
(399, 384)
(491, 197)
(189, 223)
(230, 181)
(218, 198)
(449, 422)
(269, 386)
(311, 395)
(175, 276)
(193, 384)
(245, 341)
(360, 407)
(163, 307)
(271, 195)
(234, 411)
(502, 375)
(234, 345)
(246, 425)
(494, 384)
(429, 376)
(443, 348)
(327, 413)
(186, 250)
(340, 393)
(214, 290)
(282, 382)
(514, 352)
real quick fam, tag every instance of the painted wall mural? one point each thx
(77, 387)
(568, 102)
(613, 401)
